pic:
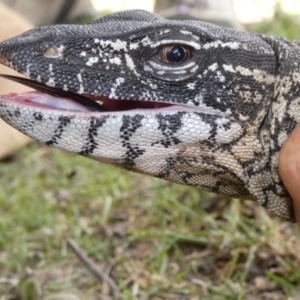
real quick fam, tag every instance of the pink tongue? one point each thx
(42, 100)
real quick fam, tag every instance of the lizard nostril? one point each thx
(52, 52)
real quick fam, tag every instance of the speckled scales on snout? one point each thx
(238, 93)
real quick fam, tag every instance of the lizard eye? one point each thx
(174, 54)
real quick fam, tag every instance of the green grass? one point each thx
(283, 25)
(157, 240)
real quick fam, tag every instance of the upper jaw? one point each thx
(56, 99)
(37, 101)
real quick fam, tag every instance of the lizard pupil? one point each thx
(176, 54)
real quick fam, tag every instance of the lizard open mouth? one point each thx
(54, 98)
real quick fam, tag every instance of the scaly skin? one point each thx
(235, 99)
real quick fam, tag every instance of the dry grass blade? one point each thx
(92, 267)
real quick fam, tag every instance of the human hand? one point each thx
(289, 168)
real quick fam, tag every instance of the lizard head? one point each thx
(180, 100)
(139, 56)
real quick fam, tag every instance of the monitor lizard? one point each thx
(185, 101)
